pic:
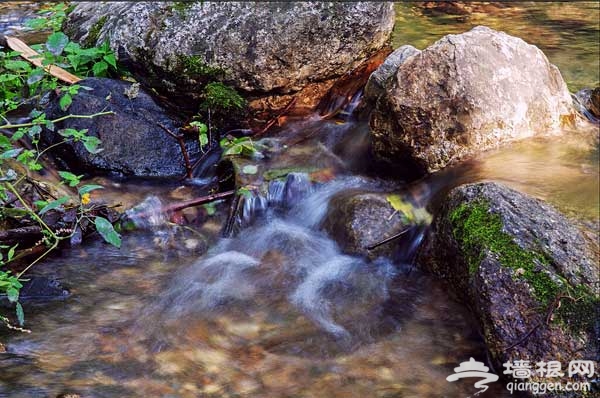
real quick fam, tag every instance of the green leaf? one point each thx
(89, 188)
(71, 178)
(56, 43)
(250, 169)
(107, 231)
(234, 150)
(35, 76)
(34, 130)
(11, 252)
(12, 294)
(203, 139)
(17, 65)
(55, 204)
(65, 101)
(92, 144)
(12, 153)
(20, 314)
(210, 208)
(74, 60)
(50, 125)
(100, 68)
(68, 132)
(111, 60)
(36, 23)
(399, 204)
(411, 213)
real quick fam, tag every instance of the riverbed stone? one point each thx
(357, 220)
(265, 50)
(132, 141)
(466, 94)
(510, 257)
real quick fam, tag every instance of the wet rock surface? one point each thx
(133, 143)
(38, 287)
(263, 49)
(588, 103)
(358, 220)
(512, 259)
(465, 94)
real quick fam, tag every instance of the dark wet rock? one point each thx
(39, 287)
(465, 94)
(358, 220)
(379, 79)
(133, 144)
(509, 256)
(588, 103)
(595, 102)
(266, 50)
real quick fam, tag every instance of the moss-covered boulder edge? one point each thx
(522, 268)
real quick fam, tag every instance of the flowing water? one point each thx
(277, 310)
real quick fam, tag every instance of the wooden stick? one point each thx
(181, 141)
(192, 202)
(198, 201)
(35, 58)
(391, 238)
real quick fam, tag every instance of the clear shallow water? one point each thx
(567, 32)
(278, 310)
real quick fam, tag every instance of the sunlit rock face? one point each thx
(263, 49)
(465, 94)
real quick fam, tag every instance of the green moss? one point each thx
(182, 6)
(218, 96)
(476, 229)
(195, 67)
(94, 33)
(580, 311)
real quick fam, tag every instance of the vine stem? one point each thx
(60, 119)
(55, 238)
(29, 209)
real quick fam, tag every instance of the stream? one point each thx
(277, 310)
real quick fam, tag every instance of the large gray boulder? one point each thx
(526, 272)
(465, 94)
(263, 49)
(379, 80)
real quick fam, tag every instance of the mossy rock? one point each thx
(521, 267)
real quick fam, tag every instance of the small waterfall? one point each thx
(252, 206)
(280, 195)
(276, 193)
(286, 264)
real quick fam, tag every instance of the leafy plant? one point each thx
(50, 18)
(202, 132)
(22, 83)
(238, 146)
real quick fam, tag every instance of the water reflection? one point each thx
(567, 32)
